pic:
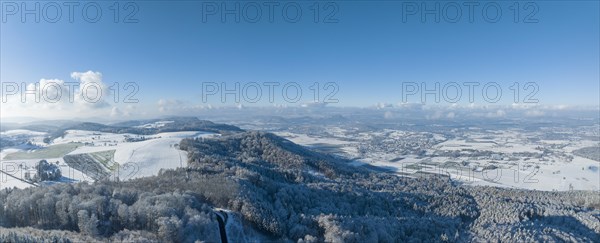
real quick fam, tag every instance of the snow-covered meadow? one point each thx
(135, 155)
(504, 158)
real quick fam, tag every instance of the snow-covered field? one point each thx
(137, 156)
(143, 158)
(137, 159)
(306, 139)
(510, 159)
(506, 158)
(344, 147)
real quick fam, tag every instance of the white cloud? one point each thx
(116, 112)
(411, 106)
(382, 105)
(86, 96)
(534, 113)
(313, 105)
(165, 105)
(523, 106)
(436, 115)
(87, 77)
(92, 91)
(499, 113)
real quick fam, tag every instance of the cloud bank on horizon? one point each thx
(87, 95)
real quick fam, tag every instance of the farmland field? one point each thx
(53, 151)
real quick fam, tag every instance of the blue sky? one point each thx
(368, 53)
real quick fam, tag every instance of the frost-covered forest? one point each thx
(255, 186)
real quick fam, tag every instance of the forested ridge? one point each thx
(275, 190)
(175, 124)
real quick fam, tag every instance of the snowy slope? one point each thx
(136, 159)
(146, 158)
